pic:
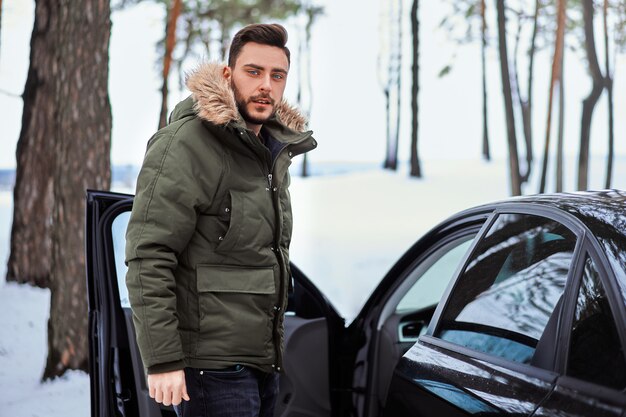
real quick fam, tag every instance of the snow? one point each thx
(348, 231)
(23, 350)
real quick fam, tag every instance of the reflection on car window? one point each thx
(430, 284)
(510, 288)
(596, 354)
(118, 232)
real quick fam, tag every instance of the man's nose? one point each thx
(266, 85)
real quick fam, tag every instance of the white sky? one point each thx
(348, 104)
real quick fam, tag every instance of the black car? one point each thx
(512, 308)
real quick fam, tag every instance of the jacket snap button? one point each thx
(220, 238)
(201, 372)
(290, 153)
(271, 247)
(275, 189)
(226, 209)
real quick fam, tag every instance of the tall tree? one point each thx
(63, 149)
(555, 80)
(609, 90)
(514, 172)
(393, 87)
(459, 22)
(589, 103)
(416, 168)
(561, 127)
(525, 101)
(483, 63)
(384, 69)
(170, 42)
(33, 194)
(305, 88)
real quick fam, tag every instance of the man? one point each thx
(208, 238)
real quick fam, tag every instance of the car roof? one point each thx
(607, 207)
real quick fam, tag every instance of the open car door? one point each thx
(400, 309)
(313, 330)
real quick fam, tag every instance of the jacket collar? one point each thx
(214, 100)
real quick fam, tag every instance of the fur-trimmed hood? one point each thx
(214, 100)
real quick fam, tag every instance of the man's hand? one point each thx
(168, 388)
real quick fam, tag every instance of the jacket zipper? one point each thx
(279, 256)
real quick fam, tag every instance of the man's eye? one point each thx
(278, 76)
(253, 72)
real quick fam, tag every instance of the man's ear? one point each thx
(227, 72)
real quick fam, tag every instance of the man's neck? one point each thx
(254, 127)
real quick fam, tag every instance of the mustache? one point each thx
(262, 97)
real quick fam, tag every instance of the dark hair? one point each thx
(266, 34)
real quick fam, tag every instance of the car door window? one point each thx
(596, 353)
(510, 288)
(430, 284)
(118, 235)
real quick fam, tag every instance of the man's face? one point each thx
(258, 81)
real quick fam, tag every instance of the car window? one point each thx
(510, 288)
(430, 284)
(596, 353)
(118, 234)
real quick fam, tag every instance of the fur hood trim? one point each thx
(214, 100)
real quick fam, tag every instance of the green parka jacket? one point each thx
(207, 244)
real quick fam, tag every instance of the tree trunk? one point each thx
(561, 133)
(397, 87)
(554, 80)
(527, 105)
(388, 153)
(483, 49)
(305, 75)
(516, 188)
(170, 43)
(395, 84)
(416, 169)
(29, 259)
(609, 88)
(82, 141)
(393, 87)
(589, 103)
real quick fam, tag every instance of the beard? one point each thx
(242, 106)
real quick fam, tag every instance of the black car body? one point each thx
(511, 308)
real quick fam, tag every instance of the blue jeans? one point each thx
(237, 391)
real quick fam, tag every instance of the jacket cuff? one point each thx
(166, 367)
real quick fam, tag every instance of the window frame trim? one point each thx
(612, 288)
(591, 249)
(546, 375)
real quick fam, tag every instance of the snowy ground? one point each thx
(348, 231)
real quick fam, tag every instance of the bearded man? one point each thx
(208, 238)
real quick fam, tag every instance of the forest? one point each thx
(60, 155)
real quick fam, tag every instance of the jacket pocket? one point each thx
(233, 213)
(236, 310)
